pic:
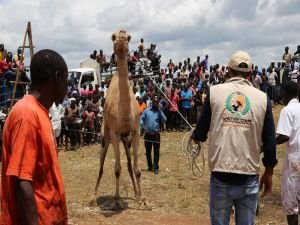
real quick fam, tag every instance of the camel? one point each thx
(121, 121)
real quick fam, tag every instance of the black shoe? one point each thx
(156, 171)
(150, 169)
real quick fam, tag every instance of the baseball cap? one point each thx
(237, 59)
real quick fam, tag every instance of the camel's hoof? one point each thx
(143, 205)
(117, 205)
(92, 202)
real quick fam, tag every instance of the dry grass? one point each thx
(175, 196)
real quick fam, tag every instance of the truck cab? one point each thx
(87, 73)
(83, 76)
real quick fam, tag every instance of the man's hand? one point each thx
(266, 182)
(195, 141)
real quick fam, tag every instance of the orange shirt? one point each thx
(30, 153)
(142, 107)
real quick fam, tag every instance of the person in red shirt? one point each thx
(6, 66)
(90, 90)
(32, 188)
(84, 91)
(173, 121)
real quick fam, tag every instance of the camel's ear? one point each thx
(113, 37)
(128, 38)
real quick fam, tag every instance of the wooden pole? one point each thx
(29, 34)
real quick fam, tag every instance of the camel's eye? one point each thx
(113, 37)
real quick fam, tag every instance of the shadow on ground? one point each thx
(110, 207)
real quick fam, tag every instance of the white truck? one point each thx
(87, 73)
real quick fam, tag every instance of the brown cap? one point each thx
(240, 57)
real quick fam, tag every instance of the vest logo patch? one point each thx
(238, 106)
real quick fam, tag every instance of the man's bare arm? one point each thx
(26, 202)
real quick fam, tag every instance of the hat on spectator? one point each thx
(240, 61)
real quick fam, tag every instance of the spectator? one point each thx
(186, 103)
(101, 59)
(95, 108)
(272, 90)
(256, 81)
(287, 57)
(205, 62)
(84, 91)
(71, 115)
(142, 105)
(264, 78)
(89, 120)
(57, 113)
(141, 49)
(90, 90)
(103, 88)
(2, 51)
(172, 122)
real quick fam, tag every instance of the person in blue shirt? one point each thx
(150, 121)
(186, 104)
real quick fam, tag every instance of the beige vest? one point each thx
(238, 113)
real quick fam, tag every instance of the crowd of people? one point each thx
(181, 91)
(9, 63)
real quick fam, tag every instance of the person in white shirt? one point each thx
(257, 81)
(288, 131)
(56, 114)
(103, 88)
(272, 91)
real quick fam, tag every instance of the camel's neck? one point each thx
(122, 68)
(124, 87)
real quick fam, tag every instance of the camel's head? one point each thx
(121, 40)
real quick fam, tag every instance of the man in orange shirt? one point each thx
(142, 104)
(32, 189)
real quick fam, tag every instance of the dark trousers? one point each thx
(74, 134)
(174, 120)
(152, 140)
(89, 134)
(187, 113)
(272, 92)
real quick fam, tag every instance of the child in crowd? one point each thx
(89, 120)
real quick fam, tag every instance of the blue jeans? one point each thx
(244, 198)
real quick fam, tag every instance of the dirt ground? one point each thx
(174, 195)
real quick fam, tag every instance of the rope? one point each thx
(86, 132)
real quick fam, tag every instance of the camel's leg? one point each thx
(115, 139)
(129, 165)
(104, 148)
(137, 171)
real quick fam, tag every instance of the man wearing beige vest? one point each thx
(240, 123)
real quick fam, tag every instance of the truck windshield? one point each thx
(74, 77)
(86, 79)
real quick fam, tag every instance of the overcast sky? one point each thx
(180, 28)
